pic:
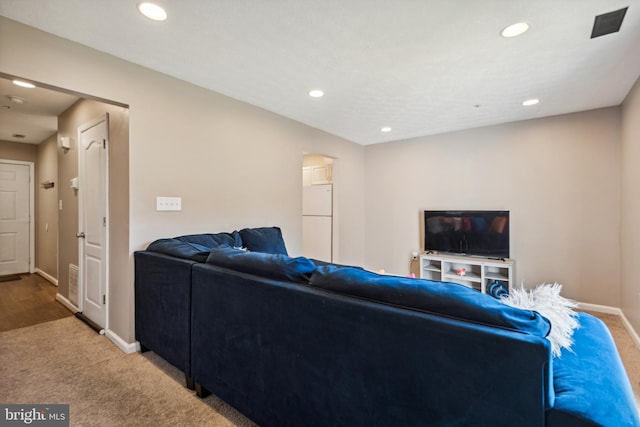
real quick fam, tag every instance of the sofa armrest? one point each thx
(163, 306)
(590, 382)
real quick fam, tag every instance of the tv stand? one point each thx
(474, 272)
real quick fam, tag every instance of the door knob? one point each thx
(80, 235)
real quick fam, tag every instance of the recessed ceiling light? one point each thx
(514, 30)
(24, 84)
(385, 129)
(152, 11)
(316, 93)
(15, 99)
(529, 102)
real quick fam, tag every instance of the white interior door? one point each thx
(15, 218)
(93, 235)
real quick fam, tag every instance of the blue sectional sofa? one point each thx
(292, 341)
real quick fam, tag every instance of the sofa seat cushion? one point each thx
(264, 239)
(442, 298)
(272, 266)
(213, 240)
(591, 385)
(180, 249)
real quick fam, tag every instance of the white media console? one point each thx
(474, 272)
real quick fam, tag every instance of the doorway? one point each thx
(16, 217)
(63, 209)
(318, 207)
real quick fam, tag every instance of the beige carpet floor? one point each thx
(64, 361)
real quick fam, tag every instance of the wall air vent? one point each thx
(73, 285)
(608, 23)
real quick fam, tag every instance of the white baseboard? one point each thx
(599, 308)
(113, 337)
(67, 303)
(126, 347)
(47, 276)
(613, 310)
(632, 332)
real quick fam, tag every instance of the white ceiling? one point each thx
(36, 118)
(420, 66)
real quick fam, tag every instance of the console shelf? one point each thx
(474, 272)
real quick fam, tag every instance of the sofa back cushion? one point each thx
(272, 266)
(213, 240)
(263, 239)
(441, 298)
(180, 249)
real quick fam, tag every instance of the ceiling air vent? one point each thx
(608, 23)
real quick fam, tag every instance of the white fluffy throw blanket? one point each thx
(546, 300)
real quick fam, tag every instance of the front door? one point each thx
(93, 195)
(15, 221)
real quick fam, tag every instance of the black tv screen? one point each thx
(478, 233)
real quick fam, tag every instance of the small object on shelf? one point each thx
(461, 271)
(498, 290)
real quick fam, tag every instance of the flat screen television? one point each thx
(476, 233)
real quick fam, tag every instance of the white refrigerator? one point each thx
(317, 221)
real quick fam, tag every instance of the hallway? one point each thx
(29, 301)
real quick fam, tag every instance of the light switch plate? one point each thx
(168, 203)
